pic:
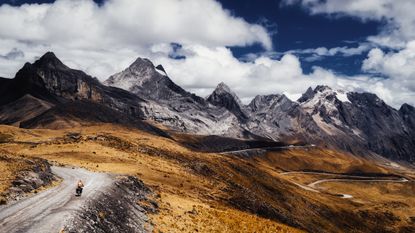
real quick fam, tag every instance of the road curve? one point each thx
(314, 184)
(265, 149)
(344, 178)
(47, 211)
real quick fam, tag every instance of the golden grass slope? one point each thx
(209, 192)
(188, 201)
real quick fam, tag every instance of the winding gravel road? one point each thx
(343, 178)
(47, 211)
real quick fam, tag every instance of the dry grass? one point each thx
(9, 168)
(159, 162)
(180, 214)
(210, 192)
(318, 159)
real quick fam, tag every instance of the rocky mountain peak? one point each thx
(144, 79)
(161, 70)
(141, 67)
(322, 88)
(223, 96)
(49, 61)
(406, 108)
(307, 95)
(261, 102)
(139, 62)
(222, 88)
(141, 71)
(223, 92)
(367, 99)
(322, 95)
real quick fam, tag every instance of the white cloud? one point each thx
(397, 15)
(343, 51)
(205, 67)
(117, 23)
(118, 27)
(315, 54)
(398, 66)
(397, 31)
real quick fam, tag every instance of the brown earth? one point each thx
(209, 192)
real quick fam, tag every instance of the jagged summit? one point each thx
(261, 102)
(223, 96)
(144, 79)
(140, 63)
(407, 108)
(321, 88)
(49, 60)
(347, 120)
(323, 93)
(222, 88)
(160, 67)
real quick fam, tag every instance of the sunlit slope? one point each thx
(214, 192)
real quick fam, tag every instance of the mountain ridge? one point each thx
(351, 121)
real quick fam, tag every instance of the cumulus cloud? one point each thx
(95, 37)
(396, 14)
(205, 67)
(398, 66)
(397, 32)
(118, 23)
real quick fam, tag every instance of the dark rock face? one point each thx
(387, 133)
(37, 175)
(362, 122)
(169, 104)
(222, 96)
(407, 113)
(278, 117)
(123, 208)
(149, 82)
(50, 84)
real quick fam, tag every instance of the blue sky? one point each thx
(276, 46)
(296, 29)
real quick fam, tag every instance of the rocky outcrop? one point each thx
(48, 79)
(222, 96)
(122, 208)
(63, 97)
(361, 121)
(37, 174)
(277, 117)
(407, 113)
(149, 82)
(172, 106)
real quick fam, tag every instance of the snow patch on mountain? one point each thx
(342, 96)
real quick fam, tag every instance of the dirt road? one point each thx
(47, 211)
(341, 178)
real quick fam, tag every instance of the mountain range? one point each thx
(49, 94)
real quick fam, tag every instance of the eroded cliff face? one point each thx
(361, 121)
(51, 82)
(124, 207)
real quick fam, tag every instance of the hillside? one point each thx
(214, 192)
